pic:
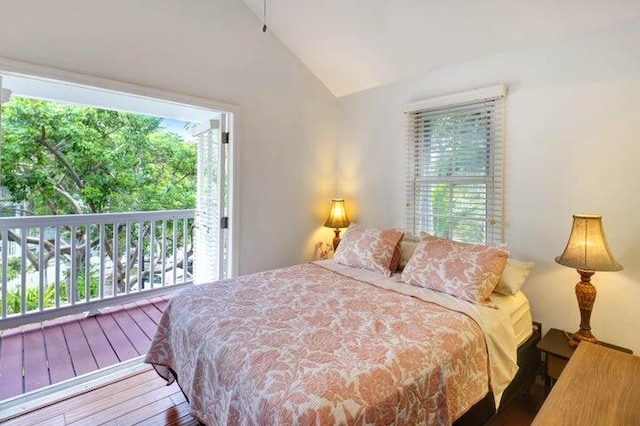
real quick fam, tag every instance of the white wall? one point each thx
(573, 143)
(214, 50)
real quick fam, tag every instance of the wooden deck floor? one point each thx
(37, 355)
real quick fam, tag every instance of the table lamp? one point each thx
(588, 252)
(337, 219)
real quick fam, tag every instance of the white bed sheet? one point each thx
(518, 310)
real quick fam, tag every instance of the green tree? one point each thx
(65, 159)
(70, 159)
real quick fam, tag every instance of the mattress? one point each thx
(517, 308)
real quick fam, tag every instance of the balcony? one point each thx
(81, 292)
(53, 352)
(76, 263)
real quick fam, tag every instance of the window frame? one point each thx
(488, 106)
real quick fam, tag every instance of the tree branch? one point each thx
(69, 198)
(60, 157)
(65, 163)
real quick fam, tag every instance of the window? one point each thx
(454, 169)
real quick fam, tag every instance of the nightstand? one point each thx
(598, 387)
(557, 352)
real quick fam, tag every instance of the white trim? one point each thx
(5, 95)
(496, 91)
(24, 69)
(28, 402)
(205, 127)
(233, 153)
(223, 264)
(13, 67)
(485, 105)
(92, 218)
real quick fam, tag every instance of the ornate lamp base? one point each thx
(581, 335)
(586, 295)
(336, 239)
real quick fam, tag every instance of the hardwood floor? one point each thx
(144, 399)
(521, 410)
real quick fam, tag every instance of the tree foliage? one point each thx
(69, 159)
(64, 159)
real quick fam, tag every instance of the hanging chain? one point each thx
(264, 17)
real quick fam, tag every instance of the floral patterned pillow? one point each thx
(369, 248)
(466, 271)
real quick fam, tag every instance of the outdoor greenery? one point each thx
(49, 298)
(68, 159)
(65, 159)
(13, 268)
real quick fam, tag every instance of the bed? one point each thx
(329, 343)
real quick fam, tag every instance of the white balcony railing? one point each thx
(77, 263)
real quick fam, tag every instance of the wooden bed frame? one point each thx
(529, 362)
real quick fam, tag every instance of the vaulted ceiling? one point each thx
(354, 45)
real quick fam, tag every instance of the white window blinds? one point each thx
(455, 166)
(207, 238)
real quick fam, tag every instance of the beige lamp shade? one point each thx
(587, 248)
(337, 215)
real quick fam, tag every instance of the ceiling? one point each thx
(354, 45)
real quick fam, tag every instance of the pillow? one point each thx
(395, 259)
(369, 248)
(406, 251)
(513, 276)
(466, 271)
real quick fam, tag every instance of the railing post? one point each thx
(127, 257)
(101, 243)
(140, 255)
(23, 269)
(174, 250)
(152, 242)
(164, 252)
(72, 283)
(57, 256)
(87, 262)
(5, 266)
(114, 260)
(42, 285)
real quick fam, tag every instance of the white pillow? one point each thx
(407, 247)
(513, 277)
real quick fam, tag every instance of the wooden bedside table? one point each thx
(599, 387)
(555, 346)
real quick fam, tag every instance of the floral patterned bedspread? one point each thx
(305, 345)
